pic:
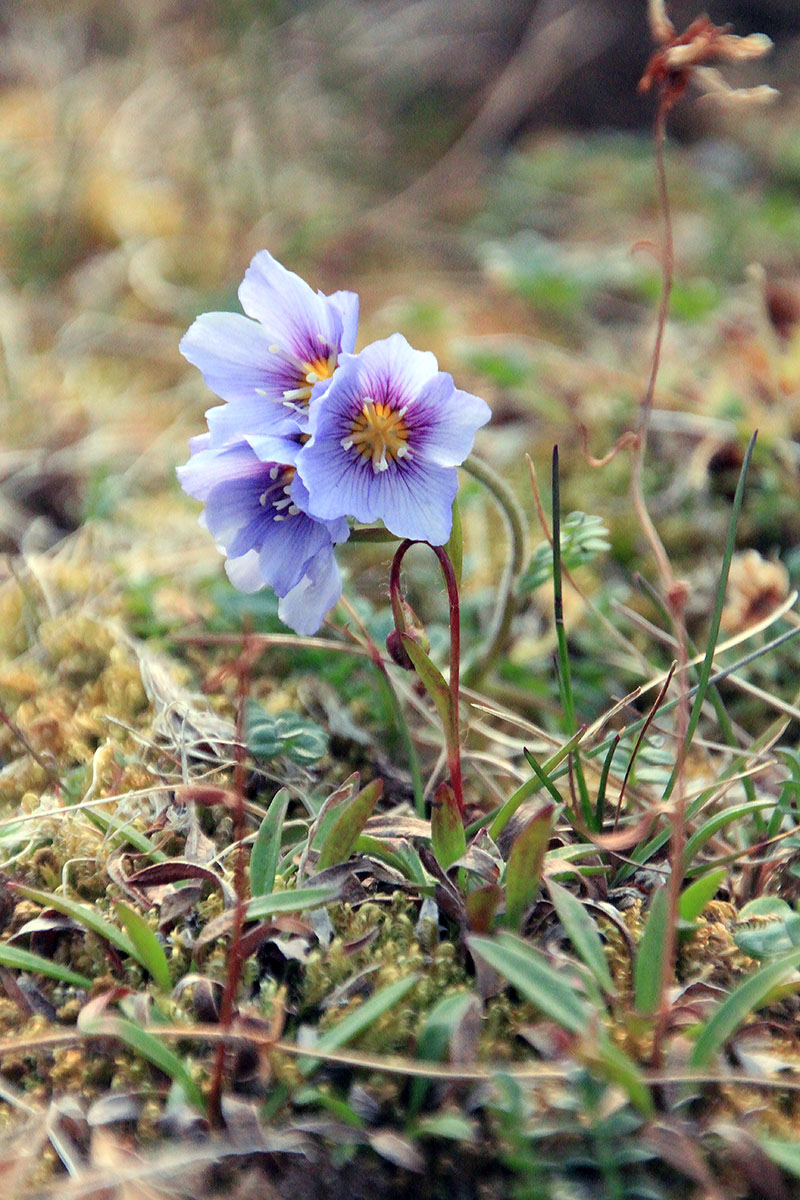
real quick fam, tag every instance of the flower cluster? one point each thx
(311, 434)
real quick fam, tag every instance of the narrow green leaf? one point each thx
(150, 952)
(542, 776)
(533, 977)
(351, 818)
(442, 1022)
(785, 1154)
(454, 546)
(364, 1016)
(26, 960)
(524, 866)
(125, 832)
(292, 901)
(267, 846)
(736, 1008)
(696, 896)
(447, 827)
(527, 789)
(435, 683)
(647, 972)
(85, 916)
(582, 932)
(717, 822)
(149, 1047)
(400, 855)
(620, 1069)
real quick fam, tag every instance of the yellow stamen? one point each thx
(379, 433)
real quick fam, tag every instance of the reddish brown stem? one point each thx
(235, 959)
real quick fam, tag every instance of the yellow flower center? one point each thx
(308, 373)
(379, 433)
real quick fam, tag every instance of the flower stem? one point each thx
(507, 601)
(444, 695)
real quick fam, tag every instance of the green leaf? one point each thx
(530, 973)
(524, 867)
(696, 896)
(442, 1022)
(150, 952)
(271, 734)
(618, 1068)
(719, 821)
(351, 818)
(772, 937)
(785, 1154)
(357, 1022)
(434, 681)
(750, 995)
(149, 1047)
(26, 960)
(454, 547)
(85, 916)
(267, 846)
(447, 827)
(582, 932)
(583, 537)
(125, 832)
(292, 901)
(648, 969)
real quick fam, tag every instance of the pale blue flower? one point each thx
(268, 364)
(256, 513)
(387, 436)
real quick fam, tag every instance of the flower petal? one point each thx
(301, 321)
(305, 606)
(235, 357)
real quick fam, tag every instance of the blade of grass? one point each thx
(648, 967)
(267, 846)
(530, 973)
(150, 951)
(85, 916)
(737, 1007)
(26, 960)
(291, 901)
(582, 932)
(147, 1046)
(364, 1016)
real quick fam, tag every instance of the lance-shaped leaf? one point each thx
(436, 1037)
(582, 932)
(696, 896)
(435, 685)
(356, 1022)
(150, 951)
(750, 995)
(524, 867)
(341, 838)
(146, 1045)
(85, 915)
(648, 970)
(530, 973)
(26, 960)
(267, 846)
(447, 827)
